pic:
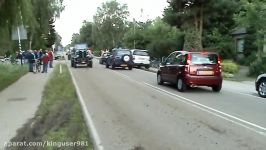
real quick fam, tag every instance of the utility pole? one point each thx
(19, 40)
(134, 30)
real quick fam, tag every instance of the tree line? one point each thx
(186, 24)
(36, 16)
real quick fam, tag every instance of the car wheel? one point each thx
(75, 65)
(262, 89)
(72, 64)
(159, 79)
(147, 67)
(90, 65)
(130, 67)
(217, 88)
(113, 66)
(181, 85)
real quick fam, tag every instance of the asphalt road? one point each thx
(130, 110)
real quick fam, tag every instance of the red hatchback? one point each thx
(192, 69)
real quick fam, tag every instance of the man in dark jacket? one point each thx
(31, 60)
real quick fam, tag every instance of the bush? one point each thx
(229, 66)
(246, 61)
(258, 66)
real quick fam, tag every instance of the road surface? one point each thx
(130, 110)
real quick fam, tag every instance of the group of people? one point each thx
(37, 58)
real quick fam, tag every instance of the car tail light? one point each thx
(219, 59)
(188, 59)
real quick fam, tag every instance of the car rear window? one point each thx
(123, 53)
(204, 58)
(140, 53)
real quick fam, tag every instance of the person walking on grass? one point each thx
(51, 57)
(45, 61)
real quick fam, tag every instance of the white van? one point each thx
(141, 58)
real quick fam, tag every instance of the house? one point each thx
(239, 35)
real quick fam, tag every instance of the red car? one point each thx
(192, 69)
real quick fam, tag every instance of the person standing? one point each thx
(31, 60)
(19, 57)
(45, 61)
(51, 57)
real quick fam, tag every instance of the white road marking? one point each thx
(60, 68)
(241, 93)
(245, 94)
(215, 112)
(93, 131)
(246, 124)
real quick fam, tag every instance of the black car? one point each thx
(260, 85)
(104, 57)
(81, 57)
(120, 58)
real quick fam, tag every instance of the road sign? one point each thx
(19, 33)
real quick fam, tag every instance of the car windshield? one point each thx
(141, 53)
(123, 52)
(204, 58)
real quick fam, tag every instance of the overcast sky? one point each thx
(76, 11)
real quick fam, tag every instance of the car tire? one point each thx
(262, 88)
(106, 65)
(90, 65)
(72, 64)
(113, 66)
(159, 79)
(75, 65)
(181, 85)
(217, 88)
(147, 66)
(130, 67)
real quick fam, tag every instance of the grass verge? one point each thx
(58, 119)
(11, 73)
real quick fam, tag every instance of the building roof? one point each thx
(239, 31)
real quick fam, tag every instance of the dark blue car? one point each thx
(120, 58)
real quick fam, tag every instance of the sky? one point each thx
(76, 11)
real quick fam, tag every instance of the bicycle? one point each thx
(37, 66)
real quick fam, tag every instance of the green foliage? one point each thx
(258, 66)
(163, 39)
(252, 16)
(224, 44)
(199, 19)
(110, 24)
(11, 73)
(246, 61)
(229, 66)
(36, 15)
(158, 37)
(85, 35)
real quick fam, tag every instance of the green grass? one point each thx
(11, 73)
(59, 117)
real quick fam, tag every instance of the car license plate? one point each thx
(123, 65)
(205, 73)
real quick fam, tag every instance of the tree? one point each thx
(193, 16)
(36, 15)
(110, 24)
(86, 33)
(158, 37)
(252, 16)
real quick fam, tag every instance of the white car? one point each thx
(141, 58)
